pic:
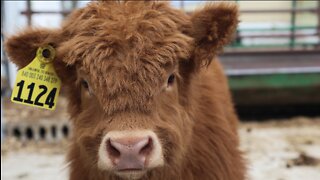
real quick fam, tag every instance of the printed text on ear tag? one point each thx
(37, 84)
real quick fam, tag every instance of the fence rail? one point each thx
(292, 35)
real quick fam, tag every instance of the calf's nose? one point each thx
(129, 153)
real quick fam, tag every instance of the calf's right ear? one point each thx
(22, 47)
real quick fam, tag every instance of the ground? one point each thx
(285, 149)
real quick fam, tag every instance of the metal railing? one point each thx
(283, 33)
(291, 33)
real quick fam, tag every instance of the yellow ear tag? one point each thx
(37, 84)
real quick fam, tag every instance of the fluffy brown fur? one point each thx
(126, 51)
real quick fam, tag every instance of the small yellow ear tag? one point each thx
(37, 84)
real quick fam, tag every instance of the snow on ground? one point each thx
(282, 151)
(285, 150)
(33, 166)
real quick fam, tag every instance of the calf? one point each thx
(147, 97)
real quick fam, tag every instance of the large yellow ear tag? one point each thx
(37, 84)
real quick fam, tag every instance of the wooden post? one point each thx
(182, 5)
(29, 13)
(318, 31)
(293, 24)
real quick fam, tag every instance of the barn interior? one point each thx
(273, 69)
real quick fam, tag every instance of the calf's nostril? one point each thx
(147, 148)
(112, 151)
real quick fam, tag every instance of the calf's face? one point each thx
(128, 68)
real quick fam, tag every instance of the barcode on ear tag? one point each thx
(37, 84)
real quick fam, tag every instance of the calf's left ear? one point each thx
(213, 27)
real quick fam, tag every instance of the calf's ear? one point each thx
(213, 27)
(22, 47)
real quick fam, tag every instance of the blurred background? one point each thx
(273, 66)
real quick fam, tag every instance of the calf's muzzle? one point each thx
(124, 152)
(129, 153)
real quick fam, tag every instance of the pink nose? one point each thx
(129, 153)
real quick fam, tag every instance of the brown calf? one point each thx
(148, 99)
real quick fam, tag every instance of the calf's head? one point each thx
(128, 68)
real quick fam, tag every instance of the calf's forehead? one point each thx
(120, 87)
(125, 51)
(126, 31)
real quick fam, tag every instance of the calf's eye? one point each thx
(84, 84)
(171, 80)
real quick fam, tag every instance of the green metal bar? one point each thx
(270, 45)
(274, 81)
(318, 29)
(293, 24)
(238, 38)
(278, 29)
